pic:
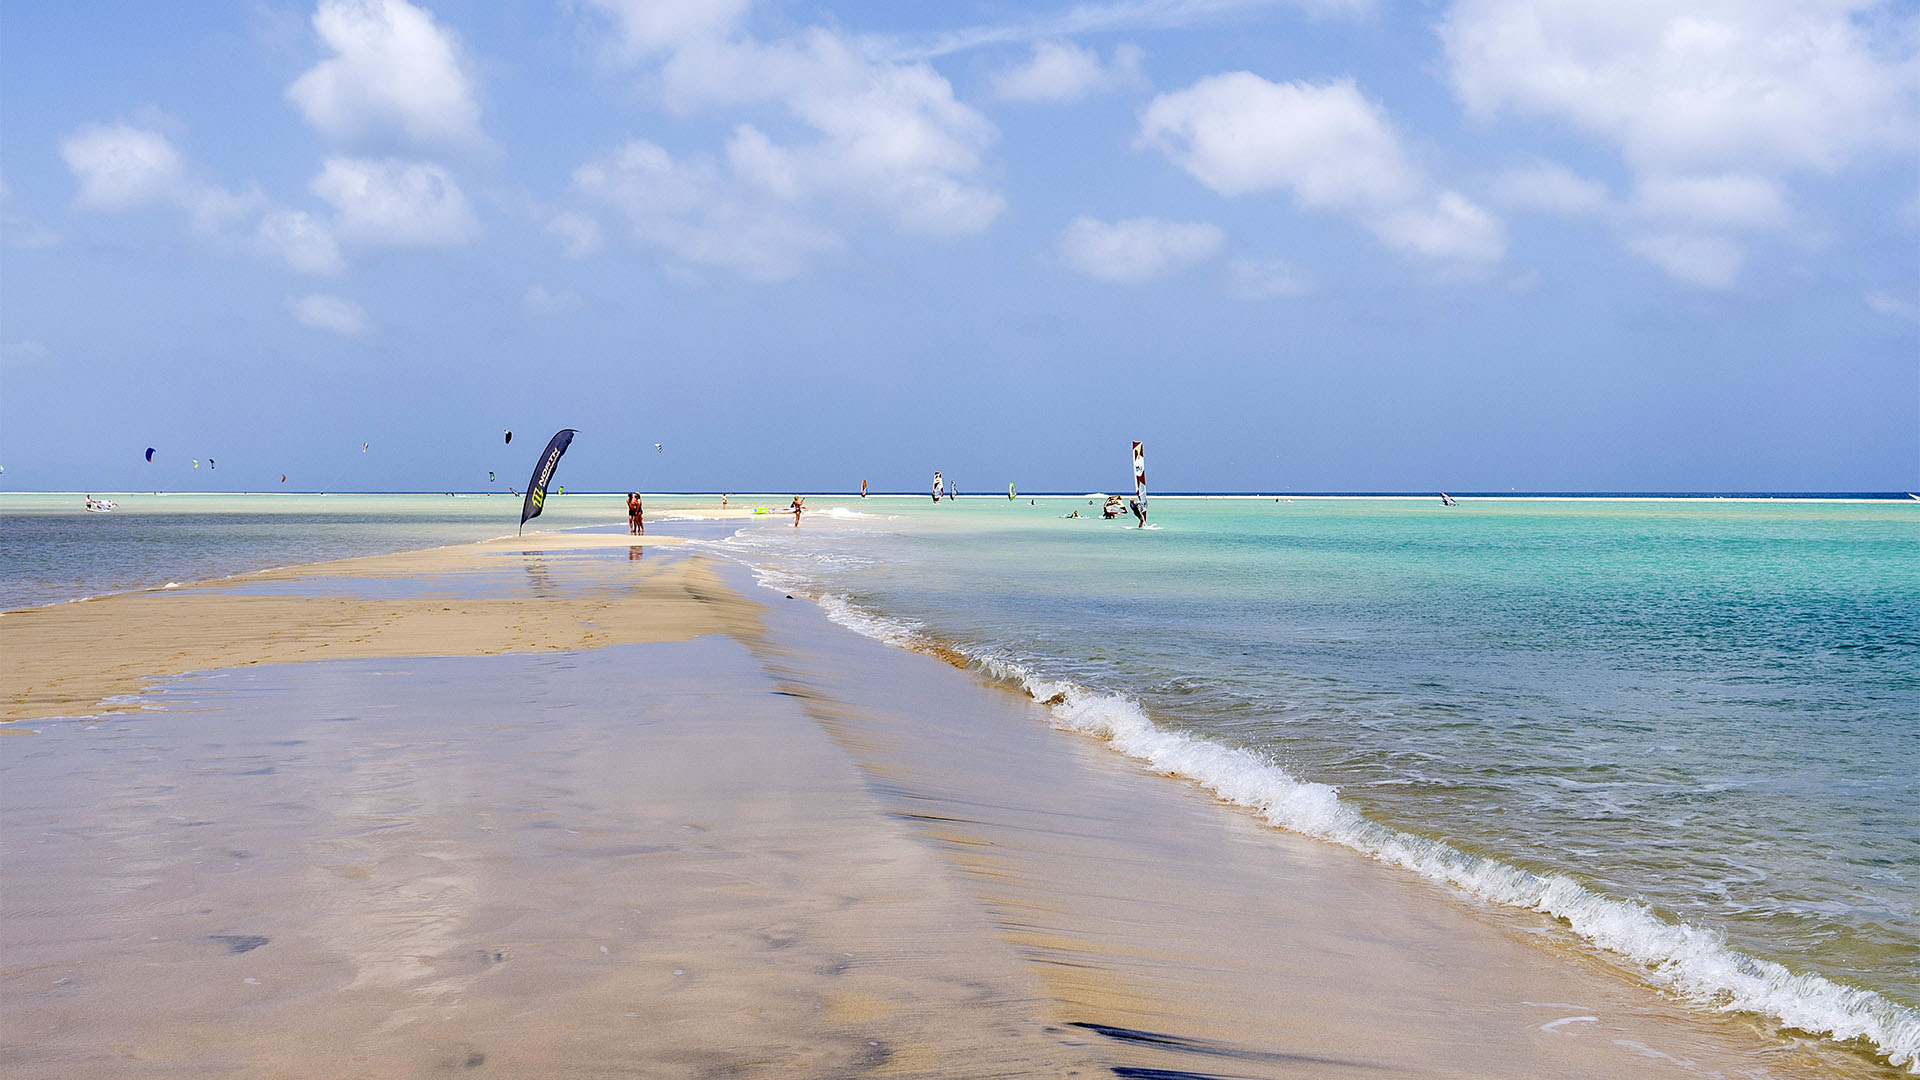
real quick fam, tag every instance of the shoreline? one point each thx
(1054, 914)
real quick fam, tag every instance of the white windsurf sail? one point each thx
(1140, 484)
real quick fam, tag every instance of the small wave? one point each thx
(1693, 962)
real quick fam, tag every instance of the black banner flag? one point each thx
(542, 474)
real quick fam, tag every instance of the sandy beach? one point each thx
(587, 804)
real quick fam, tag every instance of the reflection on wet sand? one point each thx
(741, 844)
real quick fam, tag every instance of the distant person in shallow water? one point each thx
(799, 504)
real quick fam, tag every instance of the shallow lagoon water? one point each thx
(1688, 728)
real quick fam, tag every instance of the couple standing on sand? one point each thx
(636, 521)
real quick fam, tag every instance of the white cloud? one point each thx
(541, 302)
(1711, 262)
(1265, 279)
(330, 313)
(1327, 146)
(1138, 249)
(303, 241)
(1726, 200)
(400, 203)
(1447, 226)
(394, 73)
(1110, 17)
(1063, 71)
(652, 26)
(579, 234)
(1553, 188)
(693, 213)
(18, 354)
(1706, 86)
(1887, 303)
(120, 166)
(1238, 133)
(861, 136)
(18, 231)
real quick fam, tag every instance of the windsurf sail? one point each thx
(1012, 492)
(543, 474)
(1140, 484)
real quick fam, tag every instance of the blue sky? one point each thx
(1306, 245)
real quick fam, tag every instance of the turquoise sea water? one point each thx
(1689, 729)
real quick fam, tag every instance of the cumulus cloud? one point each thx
(1711, 262)
(1703, 86)
(120, 166)
(302, 241)
(19, 231)
(330, 313)
(1712, 104)
(855, 135)
(1888, 303)
(1726, 200)
(1266, 279)
(394, 73)
(1060, 71)
(693, 214)
(1138, 249)
(645, 27)
(1327, 146)
(19, 354)
(541, 302)
(579, 234)
(397, 203)
(1553, 188)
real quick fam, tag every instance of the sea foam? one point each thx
(1694, 963)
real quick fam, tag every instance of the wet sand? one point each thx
(565, 808)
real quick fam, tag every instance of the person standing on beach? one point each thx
(799, 504)
(633, 513)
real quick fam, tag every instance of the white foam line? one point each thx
(1693, 962)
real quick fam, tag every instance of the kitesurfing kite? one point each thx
(509, 436)
(657, 449)
(283, 478)
(149, 454)
(543, 474)
(196, 463)
(489, 476)
(210, 463)
(363, 448)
